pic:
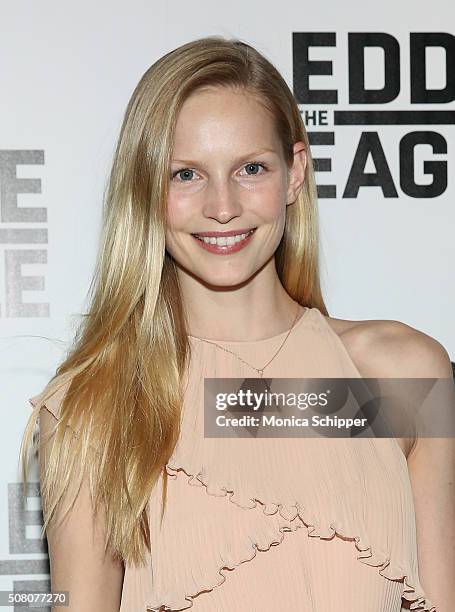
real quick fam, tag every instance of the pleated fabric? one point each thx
(308, 524)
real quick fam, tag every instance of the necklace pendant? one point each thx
(259, 388)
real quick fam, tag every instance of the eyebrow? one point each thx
(239, 159)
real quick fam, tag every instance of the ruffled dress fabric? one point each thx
(308, 524)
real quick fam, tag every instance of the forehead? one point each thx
(223, 117)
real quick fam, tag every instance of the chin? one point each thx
(228, 280)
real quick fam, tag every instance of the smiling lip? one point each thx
(228, 248)
(221, 234)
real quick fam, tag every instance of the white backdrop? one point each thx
(67, 71)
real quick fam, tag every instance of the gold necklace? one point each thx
(260, 371)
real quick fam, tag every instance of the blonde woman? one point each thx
(142, 512)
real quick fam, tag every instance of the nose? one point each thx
(221, 201)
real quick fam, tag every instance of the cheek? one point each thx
(177, 212)
(269, 204)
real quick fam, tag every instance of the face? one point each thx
(228, 175)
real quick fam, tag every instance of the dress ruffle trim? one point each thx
(292, 517)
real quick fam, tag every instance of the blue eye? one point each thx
(255, 164)
(188, 172)
(182, 171)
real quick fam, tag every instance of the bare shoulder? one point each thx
(388, 348)
(392, 349)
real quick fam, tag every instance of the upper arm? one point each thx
(431, 466)
(432, 473)
(403, 352)
(76, 547)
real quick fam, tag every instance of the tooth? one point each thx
(224, 241)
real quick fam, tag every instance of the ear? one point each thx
(296, 172)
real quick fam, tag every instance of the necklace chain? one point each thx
(260, 371)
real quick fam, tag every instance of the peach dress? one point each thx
(268, 524)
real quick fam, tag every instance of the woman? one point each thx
(213, 145)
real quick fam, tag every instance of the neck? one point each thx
(251, 311)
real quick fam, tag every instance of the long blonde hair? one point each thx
(124, 371)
